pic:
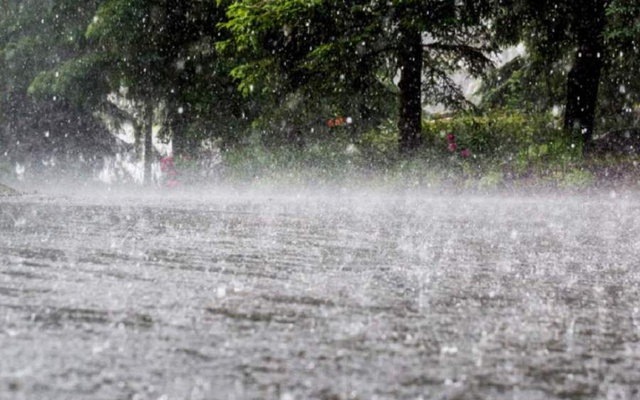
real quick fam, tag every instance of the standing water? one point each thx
(311, 295)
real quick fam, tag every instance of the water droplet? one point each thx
(449, 350)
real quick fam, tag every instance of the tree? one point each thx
(595, 40)
(620, 95)
(583, 79)
(166, 55)
(525, 84)
(38, 36)
(135, 39)
(157, 59)
(343, 49)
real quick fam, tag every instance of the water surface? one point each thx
(343, 294)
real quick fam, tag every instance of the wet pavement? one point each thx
(309, 295)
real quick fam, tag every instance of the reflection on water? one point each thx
(356, 295)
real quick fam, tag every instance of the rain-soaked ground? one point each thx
(334, 295)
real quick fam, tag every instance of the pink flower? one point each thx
(452, 146)
(465, 153)
(451, 138)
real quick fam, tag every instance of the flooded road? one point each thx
(346, 295)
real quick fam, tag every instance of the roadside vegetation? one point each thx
(501, 150)
(321, 91)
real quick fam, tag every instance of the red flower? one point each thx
(330, 122)
(166, 163)
(451, 138)
(452, 146)
(465, 153)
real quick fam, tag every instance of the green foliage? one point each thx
(271, 73)
(625, 20)
(40, 36)
(36, 39)
(524, 84)
(491, 180)
(288, 53)
(321, 162)
(129, 34)
(516, 142)
(63, 82)
(380, 144)
(485, 136)
(620, 93)
(163, 53)
(576, 179)
(551, 30)
(503, 145)
(346, 54)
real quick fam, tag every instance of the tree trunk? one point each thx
(179, 32)
(177, 120)
(148, 141)
(137, 139)
(584, 77)
(410, 85)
